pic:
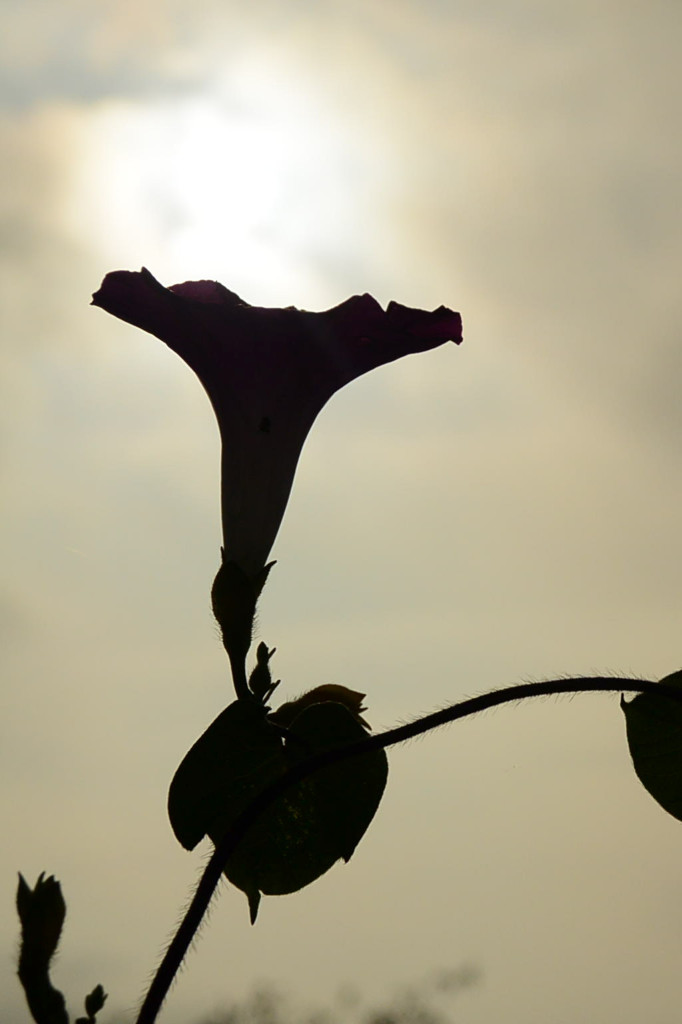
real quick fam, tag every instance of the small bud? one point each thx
(93, 1004)
(260, 680)
(41, 911)
(95, 1001)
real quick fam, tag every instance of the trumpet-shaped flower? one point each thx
(268, 373)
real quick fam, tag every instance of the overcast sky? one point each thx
(460, 520)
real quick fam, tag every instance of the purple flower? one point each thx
(268, 373)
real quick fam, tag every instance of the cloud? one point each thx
(69, 51)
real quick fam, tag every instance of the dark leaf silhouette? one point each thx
(654, 731)
(237, 756)
(315, 823)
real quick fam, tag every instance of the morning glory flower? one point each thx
(268, 373)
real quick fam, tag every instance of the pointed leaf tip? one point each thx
(253, 897)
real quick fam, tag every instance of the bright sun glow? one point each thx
(251, 186)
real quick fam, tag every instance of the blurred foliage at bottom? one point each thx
(428, 1002)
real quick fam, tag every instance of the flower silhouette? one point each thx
(268, 373)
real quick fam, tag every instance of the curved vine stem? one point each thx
(198, 906)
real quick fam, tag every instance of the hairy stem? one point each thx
(188, 927)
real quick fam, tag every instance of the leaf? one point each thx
(654, 732)
(315, 823)
(318, 821)
(232, 761)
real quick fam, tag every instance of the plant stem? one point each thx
(188, 927)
